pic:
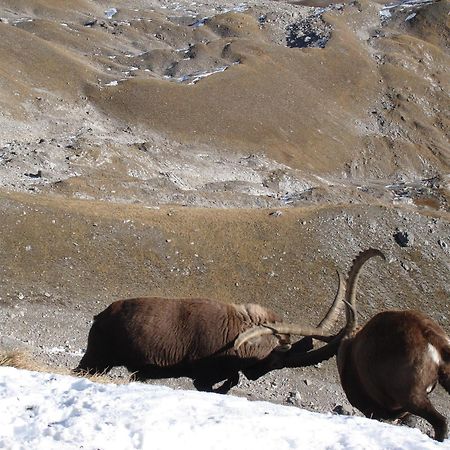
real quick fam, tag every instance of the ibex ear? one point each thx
(284, 343)
(282, 348)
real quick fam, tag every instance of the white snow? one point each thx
(197, 76)
(42, 411)
(410, 16)
(404, 5)
(110, 13)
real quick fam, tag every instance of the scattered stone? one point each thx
(276, 213)
(308, 382)
(405, 266)
(343, 410)
(38, 174)
(408, 421)
(90, 23)
(294, 398)
(309, 32)
(443, 244)
(404, 238)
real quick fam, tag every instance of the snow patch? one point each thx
(110, 13)
(55, 412)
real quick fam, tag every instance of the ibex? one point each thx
(162, 337)
(389, 366)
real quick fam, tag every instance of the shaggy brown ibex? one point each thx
(160, 337)
(388, 367)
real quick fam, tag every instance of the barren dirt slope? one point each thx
(238, 151)
(192, 102)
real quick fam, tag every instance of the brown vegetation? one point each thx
(23, 360)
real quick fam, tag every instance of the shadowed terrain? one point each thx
(237, 151)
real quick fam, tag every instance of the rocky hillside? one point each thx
(239, 151)
(223, 104)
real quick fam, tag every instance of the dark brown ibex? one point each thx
(160, 337)
(388, 367)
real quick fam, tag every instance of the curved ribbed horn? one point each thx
(282, 328)
(321, 332)
(352, 285)
(333, 313)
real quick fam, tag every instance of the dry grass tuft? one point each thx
(21, 359)
(102, 377)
